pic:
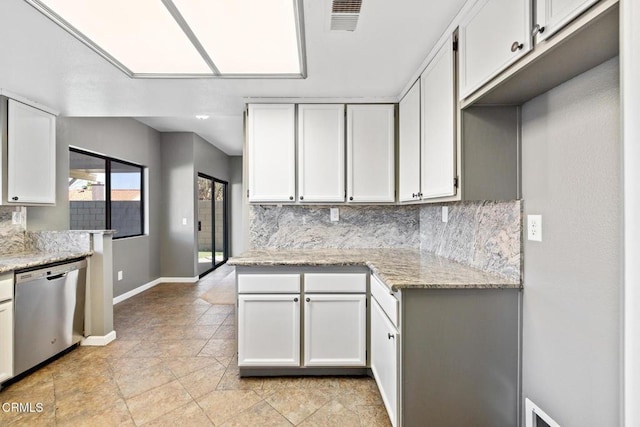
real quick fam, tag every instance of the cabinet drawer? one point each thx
(335, 283)
(386, 299)
(268, 283)
(6, 287)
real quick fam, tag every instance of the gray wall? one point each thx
(239, 209)
(184, 155)
(571, 172)
(177, 243)
(122, 138)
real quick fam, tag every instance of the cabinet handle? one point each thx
(516, 46)
(390, 335)
(537, 29)
(14, 198)
(351, 198)
(295, 300)
(290, 197)
(308, 300)
(301, 198)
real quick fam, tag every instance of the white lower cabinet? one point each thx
(269, 330)
(385, 352)
(335, 330)
(6, 340)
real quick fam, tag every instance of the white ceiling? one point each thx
(44, 63)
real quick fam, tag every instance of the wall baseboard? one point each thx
(151, 284)
(97, 340)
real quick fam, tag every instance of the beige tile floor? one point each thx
(174, 364)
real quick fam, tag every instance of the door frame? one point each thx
(225, 237)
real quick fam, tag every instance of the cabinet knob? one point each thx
(301, 197)
(308, 300)
(390, 335)
(414, 195)
(419, 194)
(295, 300)
(290, 197)
(14, 198)
(537, 29)
(516, 46)
(351, 198)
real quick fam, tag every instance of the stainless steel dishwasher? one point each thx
(49, 312)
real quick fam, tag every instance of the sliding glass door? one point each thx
(212, 223)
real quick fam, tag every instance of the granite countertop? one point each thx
(22, 260)
(397, 268)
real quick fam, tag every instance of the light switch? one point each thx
(184, 221)
(119, 275)
(335, 214)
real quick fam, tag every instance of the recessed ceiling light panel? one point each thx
(141, 34)
(247, 36)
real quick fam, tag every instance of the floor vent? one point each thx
(345, 14)
(536, 417)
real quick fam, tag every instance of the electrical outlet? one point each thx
(16, 218)
(335, 214)
(119, 275)
(445, 213)
(534, 228)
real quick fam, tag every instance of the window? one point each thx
(105, 193)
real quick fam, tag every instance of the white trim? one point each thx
(98, 341)
(531, 409)
(29, 102)
(320, 100)
(630, 94)
(151, 284)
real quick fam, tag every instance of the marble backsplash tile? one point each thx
(484, 235)
(58, 241)
(297, 227)
(12, 236)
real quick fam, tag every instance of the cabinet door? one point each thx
(335, 330)
(438, 156)
(321, 153)
(31, 155)
(370, 153)
(6, 340)
(494, 34)
(269, 330)
(271, 151)
(385, 351)
(409, 146)
(552, 15)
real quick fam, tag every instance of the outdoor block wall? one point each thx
(205, 217)
(90, 215)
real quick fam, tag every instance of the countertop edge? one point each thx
(35, 259)
(393, 285)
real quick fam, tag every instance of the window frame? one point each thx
(107, 189)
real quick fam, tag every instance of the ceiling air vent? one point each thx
(345, 14)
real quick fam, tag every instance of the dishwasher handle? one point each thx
(49, 272)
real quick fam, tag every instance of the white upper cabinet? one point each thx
(321, 151)
(370, 153)
(31, 155)
(271, 151)
(492, 36)
(552, 15)
(409, 146)
(438, 157)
